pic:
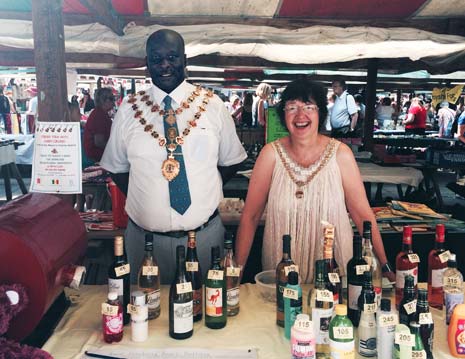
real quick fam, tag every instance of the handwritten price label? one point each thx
(122, 270)
(370, 308)
(215, 274)
(185, 287)
(411, 307)
(291, 268)
(343, 332)
(444, 256)
(418, 354)
(413, 258)
(404, 339)
(453, 281)
(362, 268)
(303, 324)
(133, 309)
(149, 270)
(386, 320)
(233, 272)
(192, 266)
(290, 293)
(334, 278)
(324, 295)
(425, 318)
(110, 310)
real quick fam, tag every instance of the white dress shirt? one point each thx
(343, 106)
(213, 142)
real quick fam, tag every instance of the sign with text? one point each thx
(56, 166)
(274, 128)
(450, 95)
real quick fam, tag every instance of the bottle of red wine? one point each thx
(119, 277)
(216, 306)
(181, 321)
(194, 275)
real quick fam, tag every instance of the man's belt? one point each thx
(180, 234)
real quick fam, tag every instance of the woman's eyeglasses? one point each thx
(293, 109)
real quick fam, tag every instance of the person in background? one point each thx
(87, 103)
(429, 114)
(171, 149)
(4, 111)
(302, 179)
(461, 127)
(98, 126)
(246, 114)
(31, 114)
(446, 118)
(344, 114)
(415, 122)
(384, 113)
(260, 105)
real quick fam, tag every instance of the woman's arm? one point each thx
(257, 195)
(461, 131)
(261, 113)
(357, 202)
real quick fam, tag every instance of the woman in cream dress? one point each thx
(303, 179)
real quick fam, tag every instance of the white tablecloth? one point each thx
(7, 154)
(395, 175)
(24, 152)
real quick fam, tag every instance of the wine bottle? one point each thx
(332, 272)
(418, 351)
(453, 287)
(408, 305)
(355, 269)
(233, 272)
(216, 308)
(149, 279)
(119, 277)
(292, 302)
(181, 321)
(425, 319)
(367, 325)
(282, 270)
(437, 264)
(320, 308)
(194, 275)
(372, 260)
(341, 335)
(406, 264)
(386, 326)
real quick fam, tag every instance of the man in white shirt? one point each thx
(172, 134)
(344, 113)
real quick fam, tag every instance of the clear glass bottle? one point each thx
(233, 272)
(372, 260)
(282, 270)
(437, 264)
(194, 275)
(367, 325)
(149, 279)
(332, 271)
(341, 335)
(119, 277)
(216, 308)
(453, 287)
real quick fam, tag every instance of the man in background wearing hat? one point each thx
(4, 110)
(446, 118)
(31, 113)
(415, 123)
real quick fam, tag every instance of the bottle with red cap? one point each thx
(437, 264)
(406, 264)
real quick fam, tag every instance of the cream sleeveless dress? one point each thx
(322, 199)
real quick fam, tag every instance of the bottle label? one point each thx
(122, 270)
(387, 320)
(413, 258)
(233, 272)
(444, 256)
(354, 293)
(233, 297)
(192, 266)
(425, 318)
(453, 281)
(324, 295)
(291, 293)
(302, 347)
(150, 270)
(404, 339)
(401, 274)
(452, 298)
(419, 354)
(370, 308)
(153, 299)
(411, 307)
(343, 332)
(291, 268)
(213, 302)
(321, 319)
(437, 277)
(215, 274)
(367, 347)
(197, 301)
(116, 285)
(460, 337)
(334, 278)
(342, 350)
(109, 310)
(113, 324)
(185, 287)
(362, 268)
(182, 317)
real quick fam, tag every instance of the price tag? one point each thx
(425, 318)
(149, 270)
(370, 308)
(343, 332)
(453, 281)
(233, 272)
(192, 266)
(413, 258)
(386, 320)
(411, 307)
(444, 256)
(418, 354)
(406, 339)
(122, 270)
(133, 309)
(324, 295)
(362, 268)
(110, 310)
(290, 293)
(334, 278)
(291, 268)
(215, 274)
(303, 324)
(185, 287)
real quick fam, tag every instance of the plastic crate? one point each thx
(444, 158)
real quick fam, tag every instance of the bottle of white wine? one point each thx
(119, 277)
(233, 272)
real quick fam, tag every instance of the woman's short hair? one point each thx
(101, 95)
(263, 90)
(305, 90)
(386, 101)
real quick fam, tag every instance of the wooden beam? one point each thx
(49, 59)
(103, 12)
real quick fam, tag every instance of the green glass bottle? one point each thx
(216, 309)
(418, 350)
(282, 270)
(292, 302)
(341, 335)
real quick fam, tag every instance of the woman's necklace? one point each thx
(170, 167)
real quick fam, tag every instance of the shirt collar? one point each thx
(343, 94)
(178, 95)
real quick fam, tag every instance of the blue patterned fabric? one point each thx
(180, 197)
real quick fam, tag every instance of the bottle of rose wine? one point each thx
(332, 278)
(437, 264)
(233, 272)
(194, 275)
(282, 271)
(406, 264)
(119, 277)
(216, 309)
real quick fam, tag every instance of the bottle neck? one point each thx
(407, 246)
(180, 266)
(452, 264)
(439, 245)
